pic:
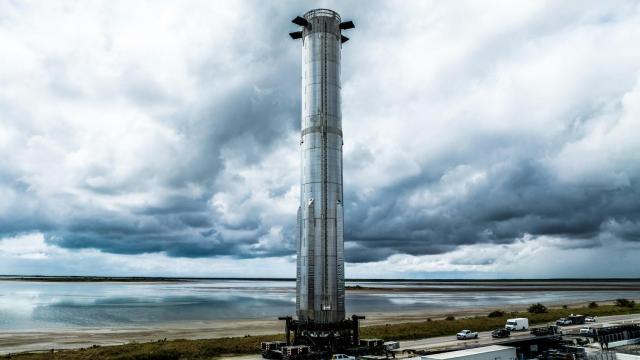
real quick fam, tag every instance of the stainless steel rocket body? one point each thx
(320, 262)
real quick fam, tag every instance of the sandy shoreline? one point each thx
(66, 338)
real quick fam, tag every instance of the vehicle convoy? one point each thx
(500, 333)
(467, 334)
(517, 324)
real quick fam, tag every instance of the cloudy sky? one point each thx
(482, 139)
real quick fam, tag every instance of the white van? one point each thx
(517, 324)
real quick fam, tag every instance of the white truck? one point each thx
(466, 334)
(588, 330)
(517, 324)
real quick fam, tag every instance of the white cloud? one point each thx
(29, 246)
(170, 131)
(30, 254)
(610, 144)
(544, 257)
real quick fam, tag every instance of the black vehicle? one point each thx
(500, 333)
(577, 319)
(546, 331)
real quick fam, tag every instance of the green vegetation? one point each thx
(450, 318)
(419, 330)
(593, 305)
(625, 303)
(216, 348)
(539, 309)
(496, 313)
(160, 350)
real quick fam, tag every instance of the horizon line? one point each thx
(161, 278)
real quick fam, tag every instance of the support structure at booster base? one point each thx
(320, 262)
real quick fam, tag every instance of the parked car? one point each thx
(517, 324)
(500, 333)
(467, 334)
(342, 357)
(563, 322)
(590, 319)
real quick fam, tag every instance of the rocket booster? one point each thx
(320, 291)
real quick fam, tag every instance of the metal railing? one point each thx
(322, 12)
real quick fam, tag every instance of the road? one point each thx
(484, 338)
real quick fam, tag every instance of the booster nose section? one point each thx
(320, 261)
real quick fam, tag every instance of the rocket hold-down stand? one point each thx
(320, 293)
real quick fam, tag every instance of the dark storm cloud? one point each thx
(437, 153)
(522, 198)
(245, 107)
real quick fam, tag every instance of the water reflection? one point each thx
(36, 305)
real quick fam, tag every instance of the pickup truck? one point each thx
(588, 330)
(466, 334)
(563, 322)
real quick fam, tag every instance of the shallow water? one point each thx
(27, 305)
